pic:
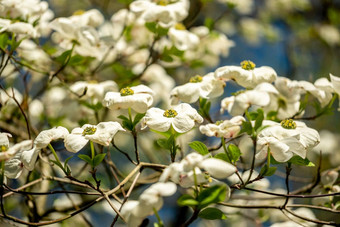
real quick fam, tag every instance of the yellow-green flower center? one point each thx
(126, 91)
(79, 12)
(89, 131)
(170, 113)
(288, 124)
(162, 2)
(3, 148)
(218, 122)
(180, 26)
(247, 65)
(93, 82)
(196, 79)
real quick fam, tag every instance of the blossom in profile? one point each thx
(286, 139)
(135, 211)
(101, 134)
(238, 104)
(247, 75)
(327, 185)
(336, 86)
(183, 172)
(138, 98)
(92, 90)
(165, 12)
(181, 118)
(227, 128)
(198, 87)
(15, 165)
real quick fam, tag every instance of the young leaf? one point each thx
(297, 160)
(199, 147)
(235, 152)
(187, 200)
(137, 119)
(259, 119)
(211, 213)
(212, 195)
(98, 159)
(86, 158)
(222, 156)
(163, 143)
(265, 171)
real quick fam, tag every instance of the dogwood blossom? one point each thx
(94, 91)
(101, 134)
(286, 139)
(164, 12)
(327, 185)
(149, 201)
(182, 38)
(138, 98)
(183, 173)
(181, 118)
(227, 128)
(199, 86)
(247, 75)
(336, 85)
(242, 101)
(15, 165)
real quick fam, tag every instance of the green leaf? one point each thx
(187, 200)
(66, 161)
(297, 160)
(86, 158)
(57, 163)
(62, 58)
(211, 213)
(235, 152)
(271, 115)
(3, 40)
(214, 194)
(137, 119)
(199, 147)
(209, 23)
(163, 143)
(98, 159)
(265, 171)
(259, 119)
(123, 118)
(76, 60)
(222, 156)
(246, 127)
(157, 29)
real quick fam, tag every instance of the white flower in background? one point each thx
(241, 6)
(19, 28)
(33, 54)
(138, 98)
(165, 12)
(244, 100)
(211, 46)
(6, 98)
(286, 139)
(160, 82)
(336, 86)
(198, 87)
(101, 134)
(94, 91)
(247, 75)
(15, 165)
(5, 153)
(329, 33)
(326, 186)
(151, 199)
(182, 173)
(182, 38)
(181, 118)
(227, 128)
(44, 138)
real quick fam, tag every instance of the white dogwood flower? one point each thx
(336, 86)
(101, 134)
(327, 185)
(165, 12)
(199, 86)
(138, 98)
(286, 139)
(44, 138)
(227, 129)
(244, 100)
(15, 165)
(181, 118)
(182, 38)
(247, 75)
(94, 91)
(150, 200)
(183, 173)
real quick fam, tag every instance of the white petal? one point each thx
(29, 158)
(218, 168)
(75, 142)
(105, 132)
(155, 120)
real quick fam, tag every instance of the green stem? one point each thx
(130, 115)
(160, 222)
(195, 181)
(93, 154)
(225, 148)
(54, 153)
(268, 157)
